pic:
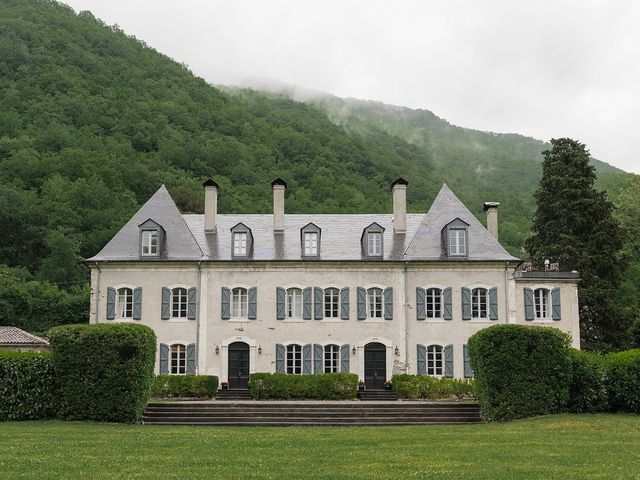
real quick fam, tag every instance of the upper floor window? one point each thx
(179, 302)
(433, 300)
(479, 303)
(435, 360)
(331, 358)
(294, 303)
(124, 307)
(149, 242)
(240, 244)
(457, 241)
(374, 244)
(239, 303)
(541, 302)
(311, 244)
(294, 359)
(374, 302)
(331, 302)
(178, 365)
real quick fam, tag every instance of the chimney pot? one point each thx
(210, 205)
(491, 210)
(279, 186)
(399, 189)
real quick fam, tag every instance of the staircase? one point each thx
(308, 413)
(382, 395)
(233, 394)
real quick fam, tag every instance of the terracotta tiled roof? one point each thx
(15, 336)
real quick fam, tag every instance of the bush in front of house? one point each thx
(104, 371)
(622, 379)
(418, 387)
(27, 386)
(184, 386)
(588, 391)
(520, 370)
(326, 386)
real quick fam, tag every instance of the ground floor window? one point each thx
(435, 364)
(294, 359)
(178, 360)
(331, 358)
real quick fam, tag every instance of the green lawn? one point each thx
(558, 447)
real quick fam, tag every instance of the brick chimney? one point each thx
(491, 209)
(279, 186)
(399, 191)
(210, 205)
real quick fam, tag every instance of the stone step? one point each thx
(332, 423)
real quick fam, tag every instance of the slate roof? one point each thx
(339, 241)
(15, 336)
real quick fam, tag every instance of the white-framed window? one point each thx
(479, 302)
(178, 364)
(435, 360)
(149, 242)
(179, 302)
(124, 307)
(374, 244)
(240, 244)
(331, 302)
(374, 302)
(433, 300)
(311, 244)
(294, 359)
(541, 303)
(239, 302)
(294, 303)
(457, 241)
(331, 358)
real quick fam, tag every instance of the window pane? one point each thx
(457, 242)
(331, 302)
(179, 303)
(178, 360)
(294, 303)
(294, 359)
(434, 360)
(240, 243)
(331, 358)
(311, 243)
(125, 303)
(479, 303)
(239, 302)
(374, 301)
(541, 297)
(374, 243)
(434, 302)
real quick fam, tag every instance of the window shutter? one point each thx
(468, 371)
(111, 303)
(225, 303)
(388, 303)
(466, 303)
(317, 358)
(422, 360)
(306, 359)
(306, 303)
(191, 359)
(528, 304)
(362, 303)
(318, 297)
(344, 303)
(137, 303)
(493, 303)
(280, 354)
(192, 304)
(555, 304)
(164, 359)
(421, 313)
(280, 300)
(344, 358)
(448, 361)
(165, 312)
(252, 311)
(447, 304)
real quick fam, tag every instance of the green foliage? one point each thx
(520, 370)
(430, 388)
(104, 371)
(184, 386)
(588, 393)
(280, 386)
(27, 386)
(622, 373)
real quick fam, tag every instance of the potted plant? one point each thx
(388, 385)
(361, 385)
(225, 385)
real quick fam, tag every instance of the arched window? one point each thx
(331, 302)
(433, 301)
(294, 303)
(178, 359)
(435, 363)
(374, 302)
(179, 302)
(294, 359)
(479, 302)
(331, 358)
(124, 306)
(541, 302)
(239, 302)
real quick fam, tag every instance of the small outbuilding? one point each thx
(13, 338)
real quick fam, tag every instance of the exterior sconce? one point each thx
(217, 349)
(353, 350)
(397, 351)
(259, 349)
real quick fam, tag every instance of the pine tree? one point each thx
(574, 225)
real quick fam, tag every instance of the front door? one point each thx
(375, 366)
(238, 365)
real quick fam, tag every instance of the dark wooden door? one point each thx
(375, 366)
(239, 365)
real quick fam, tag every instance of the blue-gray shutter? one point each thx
(493, 303)
(306, 359)
(422, 360)
(318, 357)
(164, 359)
(281, 296)
(421, 312)
(466, 303)
(344, 303)
(252, 311)
(447, 304)
(192, 303)
(362, 303)
(280, 354)
(318, 306)
(306, 303)
(344, 358)
(448, 361)
(225, 303)
(111, 303)
(191, 359)
(165, 311)
(528, 304)
(137, 303)
(468, 371)
(388, 303)
(555, 304)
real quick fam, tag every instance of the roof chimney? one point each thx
(279, 186)
(399, 189)
(491, 208)
(210, 205)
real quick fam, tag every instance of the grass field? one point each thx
(557, 447)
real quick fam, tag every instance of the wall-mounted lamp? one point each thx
(353, 350)
(217, 349)
(259, 349)
(397, 350)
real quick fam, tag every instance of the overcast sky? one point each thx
(541, 68)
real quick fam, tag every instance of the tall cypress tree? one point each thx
(574, 225)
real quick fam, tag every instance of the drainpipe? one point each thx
(198, 319)
(506, 291)
(98, 294)
(406, 317)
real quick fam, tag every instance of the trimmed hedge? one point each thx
(327, 386)
(425, 387)
(622, 379)
(104, 371)
(184, 386)
(520, 370)
(588, 392)
(27, 386)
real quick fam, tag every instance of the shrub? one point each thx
(104, 371)
(588, 392)
(425, 387)
(622, 378)
(327, 386)
(27, 386)
(520, 370)
(181, 386)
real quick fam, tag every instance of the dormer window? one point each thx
(457, 242)
(241, 241)
(310, 240)
(151, 238)
(373, 241)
